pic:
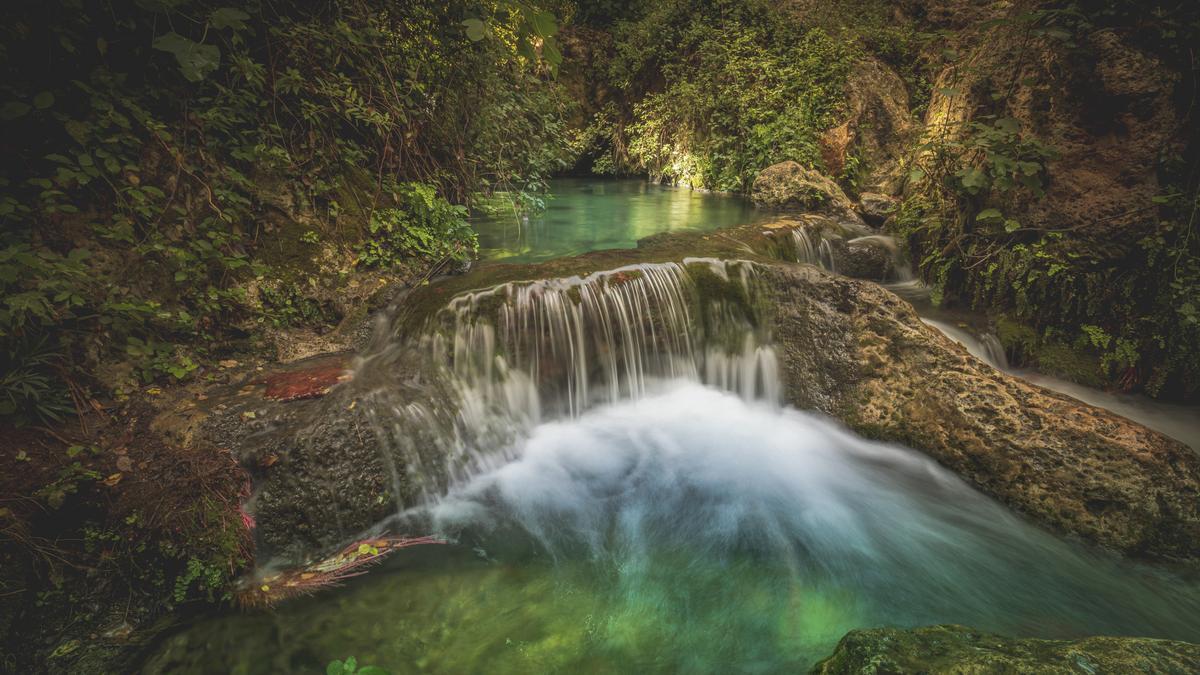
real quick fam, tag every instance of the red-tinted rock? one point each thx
(312, 381)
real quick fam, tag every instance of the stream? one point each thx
(584, 214)
(651, 506)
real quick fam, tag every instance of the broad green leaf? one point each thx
(228, 17)
(196, 60)
(13, 109)
(1011, 225)
(43, 100)
(989, 214)
(544, 24)
(475, 29)
(1008, 125)
(973, 179)
(551, 53)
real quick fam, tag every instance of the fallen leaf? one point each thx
(113, 479)
(124, 463)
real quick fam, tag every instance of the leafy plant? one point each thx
(421, 224)
(350, 667)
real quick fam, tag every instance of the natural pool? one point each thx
(692, 531)
(588, 214)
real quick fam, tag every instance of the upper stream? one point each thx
(625, 492)
(585, 215)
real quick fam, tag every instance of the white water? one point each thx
(882, 531)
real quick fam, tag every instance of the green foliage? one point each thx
(208, 578)
(422, 223)
(28, 384)
(744, 87)
(350, 667)
(151, 141)
(1122, 311)
(1143, 320)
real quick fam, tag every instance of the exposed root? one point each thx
(325, 573)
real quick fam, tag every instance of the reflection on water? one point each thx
(694, 532)
(594, 214)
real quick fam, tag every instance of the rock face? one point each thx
(861, 354)
(788, 185)
(957, 649)
(877, 130)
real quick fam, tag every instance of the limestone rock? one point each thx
(864, 258)
(957, 649)
(858, 352)
(877, 130)
(788, 185)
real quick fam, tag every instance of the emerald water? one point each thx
(692, 531)
(584, 215)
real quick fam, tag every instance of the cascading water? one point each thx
(819, 254)
(521, 353)
(555, 348)
(624, 492)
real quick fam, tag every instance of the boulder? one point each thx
(328, 466)
(865, 258)
(957, 649)
(789, 185)
(875, 208)
(861, 354)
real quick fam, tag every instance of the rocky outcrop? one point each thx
(861, 354)
(325, 468)
(957, 649)
(877, 130)
(789, 185)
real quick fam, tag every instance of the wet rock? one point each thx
(957, 649)
(864, 258)
(876, 208)
(860, 353)
(788, 185)
(315, 378)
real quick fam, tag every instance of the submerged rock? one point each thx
(957, 649)
(790, 185)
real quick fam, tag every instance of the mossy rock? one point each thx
(958, 649)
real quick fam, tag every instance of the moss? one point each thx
(1070, 363)
(1016, 337)
(1077, 363)
(711, 288)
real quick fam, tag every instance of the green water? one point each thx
(584, 215)
(693, 532)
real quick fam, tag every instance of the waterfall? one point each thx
(820, 254)
(510, 357)
(554, 348)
